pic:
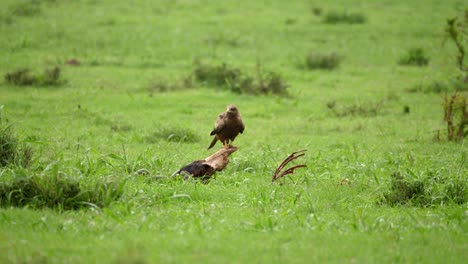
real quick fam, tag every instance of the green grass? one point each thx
(121, 117)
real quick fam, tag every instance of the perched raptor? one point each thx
(228, 125)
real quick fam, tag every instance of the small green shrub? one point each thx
(454, 85)
(344, 18)
(161, 86)
(456, 116)
(101, 119)
(322, 61)
(39, 191)
(368, 109)
(102, 193)
(433, 87)
(50, 77)
(290, 21)
(317, 11)
(224, 76)
(25, 157)
(273, 83)
(217, 75)
(265, 83)
(456, 30)
(24, 77)
(20, 77)
(121, 127)
(12, 151)
(428, 191)
(456, 191)
(403, 190)
(26, 8)
(172, 134)
(8, 146)
(414, 57)
(223, 39)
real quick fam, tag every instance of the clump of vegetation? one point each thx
(217, 75)
(22, 8)
(226, 77)
(50, 77)
(24, 77)
(344, 18)
(433, 87)
(425, 192)
(317, 11)
(414, 57)
(263, 83)
(456, 116)
(26, 8)
(228, 40)
(118, 127)
(100, 119)
(162, 86)
(172, 134)
(456, 191)
(8, 146)
(403, 190)
(25, 156)
(437, 86)
(290, 21)
(21, 77)
(369, 109)
(322, 61)
(39, 191)
(457, 31)
(11, 151)
(102, 193)
(236, 81)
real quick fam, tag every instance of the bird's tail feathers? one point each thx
(213, 142)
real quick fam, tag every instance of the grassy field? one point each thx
(129, 109)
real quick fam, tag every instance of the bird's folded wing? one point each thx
(219, 125)
(242, 127)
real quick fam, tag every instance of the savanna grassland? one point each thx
(101, 101)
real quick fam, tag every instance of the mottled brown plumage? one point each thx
(228, 125)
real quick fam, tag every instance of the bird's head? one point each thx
(232, 109)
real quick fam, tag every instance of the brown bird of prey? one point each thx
(228, 125)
